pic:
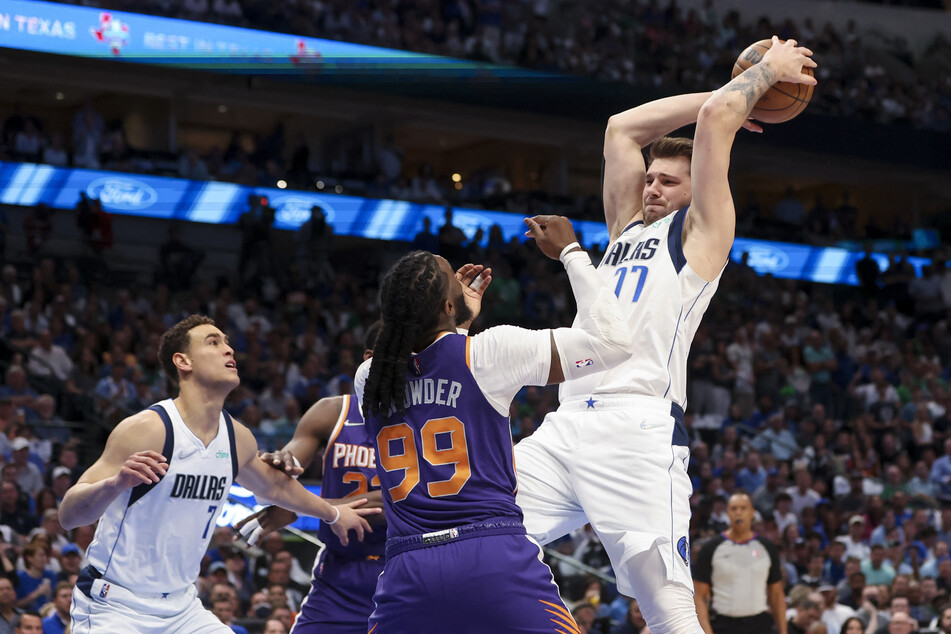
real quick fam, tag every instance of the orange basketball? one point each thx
(785, 100)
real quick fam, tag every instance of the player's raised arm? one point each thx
(601, 337)
(711, 222)
(626, 135)
(132, 456)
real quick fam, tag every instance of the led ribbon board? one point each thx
(105, 34)
(223, 203)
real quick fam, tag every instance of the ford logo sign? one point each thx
(765, 259)
(295, 210)
(122, 193)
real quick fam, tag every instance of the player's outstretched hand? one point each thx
(282, 460)
(787, 60)
(352, 519)
(257, 525)
(475, 278)
(551, 233)
(142, 467)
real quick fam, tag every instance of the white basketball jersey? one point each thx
(664, 300)
(151, 539)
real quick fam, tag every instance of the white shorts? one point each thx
(112, 608)
(620, 464)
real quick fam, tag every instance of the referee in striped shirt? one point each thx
(737, 578)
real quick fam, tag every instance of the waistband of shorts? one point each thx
(495, 526)
(593, 402)
(89, 575)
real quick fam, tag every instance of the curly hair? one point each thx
(410, 299)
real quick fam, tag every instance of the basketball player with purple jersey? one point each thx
(615, 452)
(344, 577)
(436, 402)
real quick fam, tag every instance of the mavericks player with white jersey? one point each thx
(157, 510)
(615, 453)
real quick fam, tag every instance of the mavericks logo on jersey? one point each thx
(222, 454)
(624, 252)
(203, 487)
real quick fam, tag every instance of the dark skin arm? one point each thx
(312, 434)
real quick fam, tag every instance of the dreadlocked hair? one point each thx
(410, 300)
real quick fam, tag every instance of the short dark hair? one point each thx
(672, 147)
(176, 340)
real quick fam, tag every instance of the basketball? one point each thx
(785, 100)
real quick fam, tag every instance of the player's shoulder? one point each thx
(142, 430)
(321, 417)
(145, 422)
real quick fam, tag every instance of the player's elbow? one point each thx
(724, 110)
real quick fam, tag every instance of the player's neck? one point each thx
(446, 324)
(200, 410)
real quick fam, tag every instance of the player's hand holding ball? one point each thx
(791, 68)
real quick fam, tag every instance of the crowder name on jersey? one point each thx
(204, 487)
(429, 391)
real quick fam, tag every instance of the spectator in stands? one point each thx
(451, 240)
(314, 244)
(878, 571)
(28, 475)
(224, 610)
(274, 626)
(178, 261)
(807, 613)
(191, 165)
(54, 152)
(941, 475)
(57, 621)
(426, 240)
(48, 359)
(37, 581)
(115, 391)
(37, 227)
(9, 613)
(777, 440)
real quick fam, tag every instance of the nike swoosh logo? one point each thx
(645, 425)
(347, 423)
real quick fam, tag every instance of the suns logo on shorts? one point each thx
(682, 549)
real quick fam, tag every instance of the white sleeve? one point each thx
(600, 338)
(505, 358)
(360, 381)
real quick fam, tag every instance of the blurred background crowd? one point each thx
(830, 404)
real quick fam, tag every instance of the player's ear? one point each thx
(181, 361)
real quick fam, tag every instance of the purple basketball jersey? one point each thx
(448, 461)
(350, 469)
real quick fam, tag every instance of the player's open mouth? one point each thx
(232, 365)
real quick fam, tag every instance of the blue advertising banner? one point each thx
(223, 203)
(99, 33)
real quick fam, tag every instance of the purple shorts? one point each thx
(341, 595)
(480, 578)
